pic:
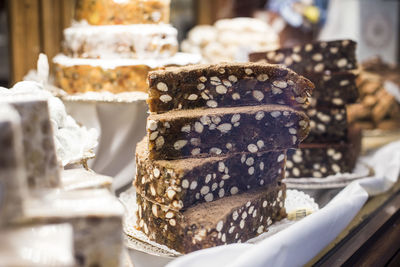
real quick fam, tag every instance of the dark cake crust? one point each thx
(226, 85)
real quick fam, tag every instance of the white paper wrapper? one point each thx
(137, 240)
(300, 242)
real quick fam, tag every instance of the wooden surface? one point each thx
(371, 237)
(35, 26)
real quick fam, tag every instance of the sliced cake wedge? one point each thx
(321, 56)
(180, 184)
(232, 219)
(226, 85)
(205, 132)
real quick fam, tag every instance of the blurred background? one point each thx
(28, 27)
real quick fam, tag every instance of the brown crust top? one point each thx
(233, 67)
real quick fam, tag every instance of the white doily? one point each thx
(137, 240)
(339, 180)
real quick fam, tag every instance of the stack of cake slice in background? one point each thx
(113, 45)
(333, 145)
(209, 171)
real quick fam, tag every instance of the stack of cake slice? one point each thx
(113, 45)
(209, 171)
(332, 147)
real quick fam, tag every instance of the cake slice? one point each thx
(333, 90)
(205, 132)
(180, 184)
(232, 219)
(41, 164)
(322, 160)
(317, 57)
(226, 85)
(13, 188)
(327, 125)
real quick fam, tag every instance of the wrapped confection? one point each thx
(37, 246)
(41, 163)
(13, 187)
(96, 218)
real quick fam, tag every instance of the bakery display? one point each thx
(226, 85)
(204, 132)
(113, 45)
(220, 43)
(331, 67)
(223, 176)
(377, 107)
(210, 174)
(233, 219)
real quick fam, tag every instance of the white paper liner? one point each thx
(137, 240)
(362, 170)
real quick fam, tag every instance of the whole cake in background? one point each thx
(113, 45)
(230, 39)
(210, 170)
(333, 145)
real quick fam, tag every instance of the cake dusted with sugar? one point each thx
(210, 170)
(113, 45)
